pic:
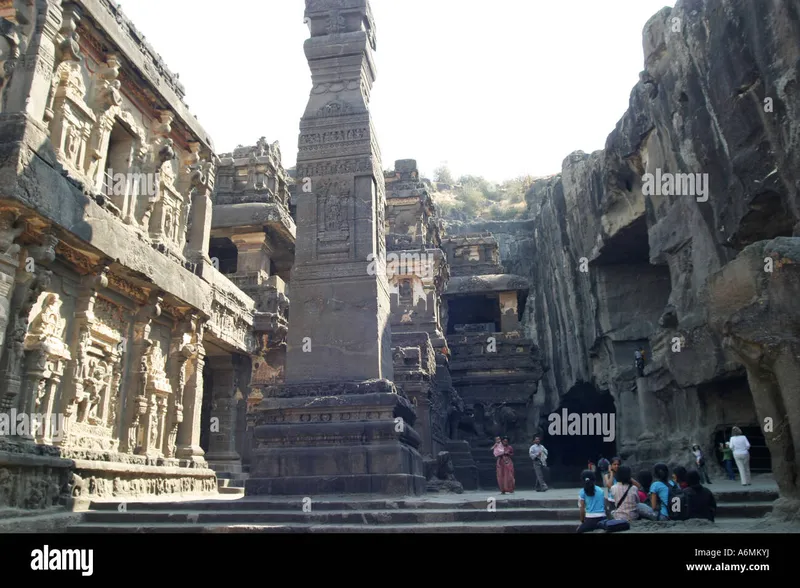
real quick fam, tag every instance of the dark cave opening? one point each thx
(473, 311)
(226, 255)
(760, 459)
(568, 452)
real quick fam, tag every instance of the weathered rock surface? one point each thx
(614, 265)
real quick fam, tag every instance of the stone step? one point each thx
(232, 490)
(375, 517)
(266, 503)
(478, 527)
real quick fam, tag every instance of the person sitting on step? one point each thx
(590, 503)
(679, 477)
(702, 504)
(625, 496)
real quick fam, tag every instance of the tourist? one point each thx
(505, 468)
(610, 477)
(497, 448)
(659, 496)
(727, 459)
(701, 501)
(590, 502)
(602, 469)
(644, 479)
(701, 463)
(741, 454)
(638, 357)
(679, 477)
(538, 454)
(625, 496)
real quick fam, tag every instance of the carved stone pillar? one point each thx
(183, 349)
(201, 180)
(253, 256)
(29, 86)
(28, 287)
(139, 406)
(10, 229)
(222, 455)
(189, 428)
(46, 357)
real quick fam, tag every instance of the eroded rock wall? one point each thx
(614, 265)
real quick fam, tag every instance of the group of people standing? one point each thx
(504, 452)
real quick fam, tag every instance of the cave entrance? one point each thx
(570, 449)
(475, 313)
(760, 458)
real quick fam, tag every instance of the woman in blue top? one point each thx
(592, 504)
(659, 496)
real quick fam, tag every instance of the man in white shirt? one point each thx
(538, 454)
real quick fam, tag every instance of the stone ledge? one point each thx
(126, 468)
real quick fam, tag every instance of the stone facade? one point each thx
(111, 306)
(494, 367)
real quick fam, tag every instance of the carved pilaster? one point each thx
(201, 179)
(29, 285)
(183, 349)
(46, 359)
(189, 429)
(141, 405)
(29, 88)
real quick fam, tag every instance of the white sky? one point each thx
(496, 88)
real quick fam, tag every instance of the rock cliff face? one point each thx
(616, 263)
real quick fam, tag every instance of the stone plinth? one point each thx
(313, 439)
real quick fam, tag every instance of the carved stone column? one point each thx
(10, 229)
(189, 428)
(31, 280)
(138, 405)
(29, 87)
(201, 180)
(46, 357)
(222, 455)
(182, 350)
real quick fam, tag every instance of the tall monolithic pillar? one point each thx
(338, 424)
(340, 299)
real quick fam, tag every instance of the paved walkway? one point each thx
(762, 483)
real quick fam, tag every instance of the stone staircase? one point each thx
(468, 513)
(232, 482)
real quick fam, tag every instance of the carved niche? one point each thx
(72, 120)
(92, 409)
(157, 391)
(335, 215)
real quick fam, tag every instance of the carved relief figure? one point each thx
(95, 387)
(49, 322)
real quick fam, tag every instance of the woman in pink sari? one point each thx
(505, 467)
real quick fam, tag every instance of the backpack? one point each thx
(678, 503)
(615, 526)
